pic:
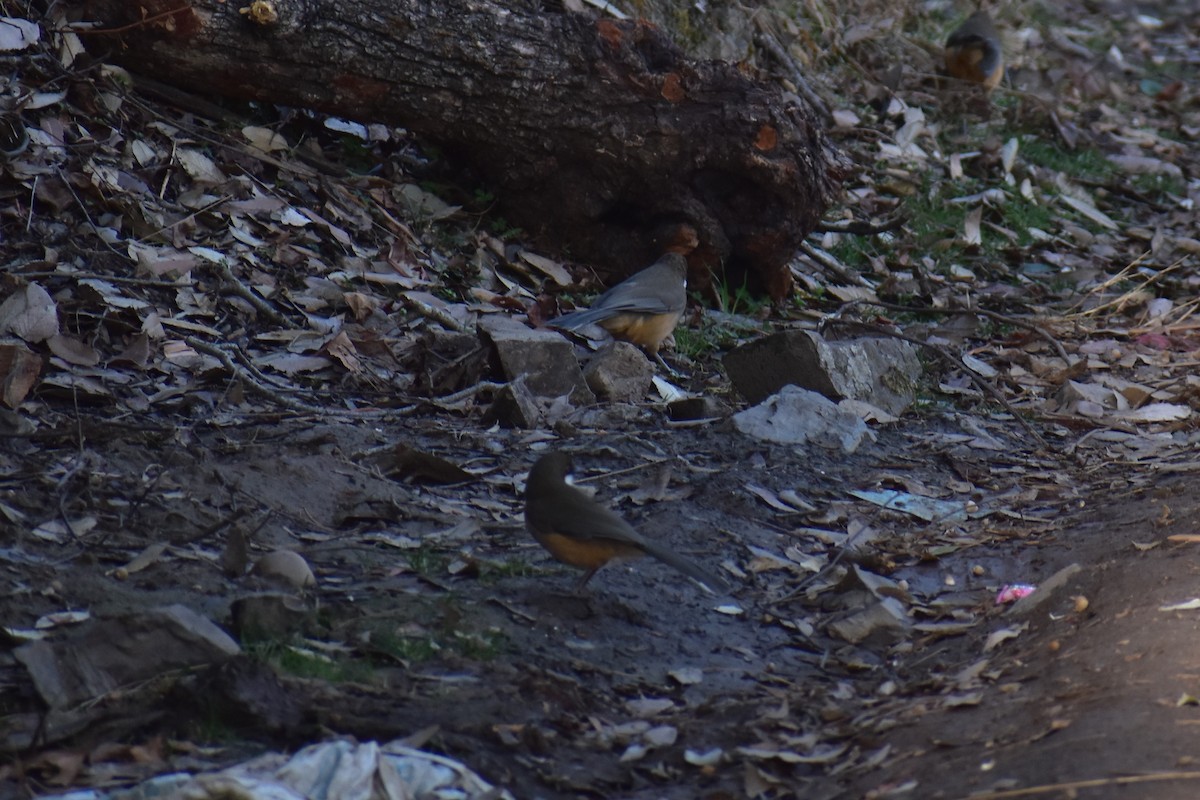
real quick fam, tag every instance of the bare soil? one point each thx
(529, 683)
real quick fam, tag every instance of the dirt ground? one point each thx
(536, 687)
(247, 358)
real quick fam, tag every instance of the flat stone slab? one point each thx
(620, 373)
(545, 359)
(879, 371)
(798, 416)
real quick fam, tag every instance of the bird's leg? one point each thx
(669, 369)
(587, 576)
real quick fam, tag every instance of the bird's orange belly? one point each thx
(586, 553)
(967, 63)
(644, 330)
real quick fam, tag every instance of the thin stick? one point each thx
(949, 358)
(858, 227)
(243, 291)
(432, 312)
(1093, 783)
(249, 380)
(827, 264)
(773, 45)
(992, 315)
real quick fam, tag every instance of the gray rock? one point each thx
(620, 373)
(692, 408)
(798, 416)
(270, 615)
(884, 622)
(515, 407)
(544, 358)
(883, 372)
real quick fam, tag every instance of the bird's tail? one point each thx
(697, 573)
(579, 319)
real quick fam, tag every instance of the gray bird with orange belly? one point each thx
(974, 52)
(582, 533)
(643, 309)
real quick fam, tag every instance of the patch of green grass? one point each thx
(420, 643)
(851, 252)
(693, 343)
(1021, 215)
(712, 336)
(493, 571)
(810, 298)
(502, 230)
(1160, 187)
(1085, 163)
(737, 299)
(211, 730)
(426, 561)
(359, 155)
(296, 660)
(485, 646)
(931, 218)
(409, 649)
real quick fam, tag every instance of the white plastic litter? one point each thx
(336, 770)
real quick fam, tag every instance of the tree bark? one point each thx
(597, 135)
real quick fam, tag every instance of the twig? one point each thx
(433, 313)
(1004, 319)
(627, 470)
(1093, 783)
(141, 23)
(249, 380)
(1118, 302)
(243, 291)
(95, 230)
(804, 582)
(951, 359)
(516, 612)
(99, 276)
(858, 227)
(258, 383)
(470, 391)
(829, 265)
(767, 39)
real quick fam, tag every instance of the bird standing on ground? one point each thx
(973, 52)
(643, 309)
(582, 533)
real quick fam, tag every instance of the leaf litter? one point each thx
(197, 328)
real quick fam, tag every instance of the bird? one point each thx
(642, 309)
(973, 52)
(581, 532)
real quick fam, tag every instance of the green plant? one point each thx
(502, 230)
(931, 218)
(1021, 215)
(1160, 187)
(409, 649)
(714, 334)
(425, 561)
(492, 571)
(737, 300)
(294, 659)
(1085, 163)
(480, 646)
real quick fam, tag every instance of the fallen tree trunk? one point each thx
(597, 134)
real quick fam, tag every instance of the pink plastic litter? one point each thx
(1012, 592)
